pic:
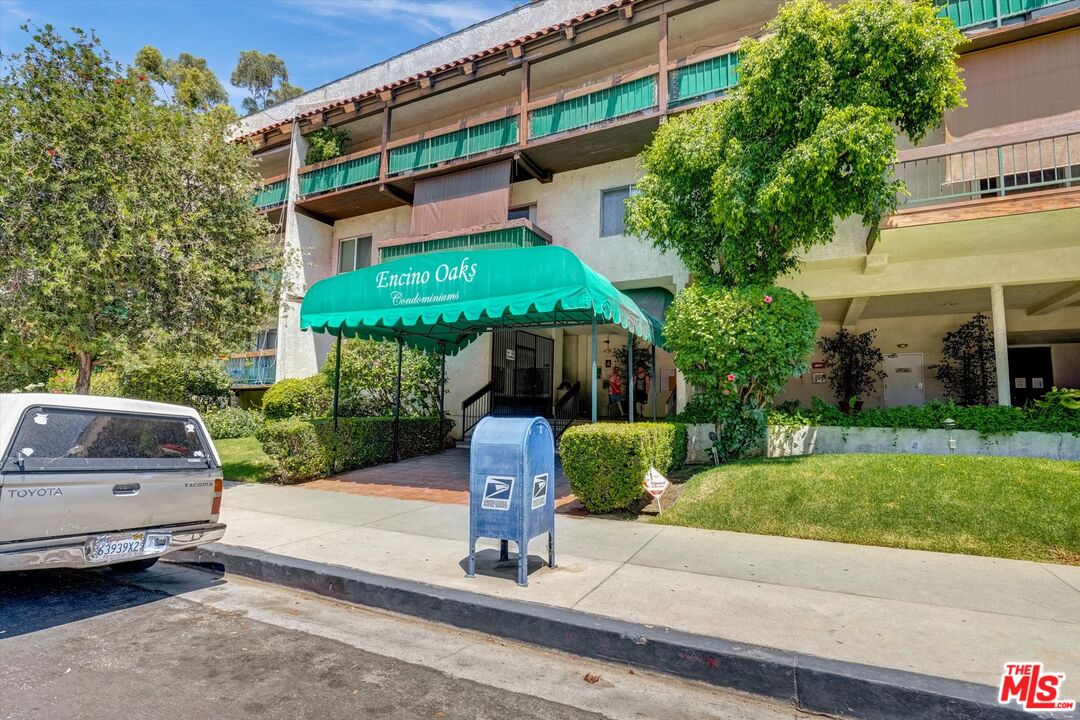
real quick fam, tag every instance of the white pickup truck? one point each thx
(91, 481)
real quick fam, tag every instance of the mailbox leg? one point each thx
(523, 564)
(504, 550)
(551, 546)
(471, 571)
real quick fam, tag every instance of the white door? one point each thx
(904, 384)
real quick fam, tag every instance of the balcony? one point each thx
(511, 234)
(443, 147)
(339, 173)
(988, 168)
(971, 13)
(571, 111)
(252, 369)
(271, 195)
(705, 79)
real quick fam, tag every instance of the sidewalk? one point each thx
(950, 616)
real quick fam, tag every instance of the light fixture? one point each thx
(901, 345)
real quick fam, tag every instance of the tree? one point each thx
(739, 188)
(192, 83)
(257, 73)
(123, 222)
(967, 365)
(369, 377)
(853, 362)
(738, 346)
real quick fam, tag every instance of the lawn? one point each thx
(1004, 507)
(243, 459)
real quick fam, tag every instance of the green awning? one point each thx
(654, 302)
(448, 299)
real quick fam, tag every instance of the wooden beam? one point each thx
(531, 168)
(386, 96)
(662, 81)
(1017, 204)
(1066, 297)
(397, 193)
(424, 82)
(523, 117)
(568, 31)
(854, 310)
(384, 147)
(515, 52)
(468, 68)
(628, 12)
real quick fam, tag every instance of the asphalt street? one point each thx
(182, 643)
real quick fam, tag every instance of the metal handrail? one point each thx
(972, 172)
(566, 410)
(473, 410)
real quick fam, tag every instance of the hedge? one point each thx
(304, 449)
(308, 397)
(606, 463)
(986, 419)
(232, 422)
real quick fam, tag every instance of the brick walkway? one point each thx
(442, 478)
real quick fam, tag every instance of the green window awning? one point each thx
(448, 299)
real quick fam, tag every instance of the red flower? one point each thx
(727, 392)
(52, 152)
(768, 299)
(118, 81)
(731, 377)
(142, 77)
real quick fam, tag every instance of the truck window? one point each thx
(54, 439)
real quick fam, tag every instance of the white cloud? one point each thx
(437, 17)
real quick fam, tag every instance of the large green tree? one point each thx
(265, 78)
(123, 220)
(186, 79)
(739, 188)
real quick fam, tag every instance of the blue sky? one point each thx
(320, 40)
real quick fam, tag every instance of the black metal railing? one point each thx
(477, 406)
(566, 410)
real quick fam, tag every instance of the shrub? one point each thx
(177, 379)
(738, 347)
(369, 374)
(326, 144)
(230, 422)
(606, 463)
(308, 397)
(986, 419)
(103, 382)
(305, 449)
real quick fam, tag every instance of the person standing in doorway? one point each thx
(642, 388)
(615, 393)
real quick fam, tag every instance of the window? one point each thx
(266, 340)
(526, 212)
(353, 254)
(613, 210)
(63, 439)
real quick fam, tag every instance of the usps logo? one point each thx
(497, 492)
(539, 495)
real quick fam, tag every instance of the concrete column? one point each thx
(681, 387)
(1001, 344)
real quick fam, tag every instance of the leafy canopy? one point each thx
(369, 376)
(258, 73)
(191, 81)
(739, 188)
(124, 222)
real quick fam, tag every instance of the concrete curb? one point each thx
(808, 682)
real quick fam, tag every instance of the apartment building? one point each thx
(524, 130)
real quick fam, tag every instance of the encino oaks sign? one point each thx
(464, 272)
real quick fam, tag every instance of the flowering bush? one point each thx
(738, 347)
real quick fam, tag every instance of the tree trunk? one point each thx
(86, 365)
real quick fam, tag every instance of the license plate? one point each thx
(105, 548)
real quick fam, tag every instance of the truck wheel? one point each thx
(134, 565)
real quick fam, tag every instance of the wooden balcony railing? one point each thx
(622, 95)
(254, 368)
(346, 171)
(271, 195)
(478, 136)
(989, 167)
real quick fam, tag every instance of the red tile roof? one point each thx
(501, 47)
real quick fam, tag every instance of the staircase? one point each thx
(482, 403)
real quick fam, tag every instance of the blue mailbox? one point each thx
(512, 487)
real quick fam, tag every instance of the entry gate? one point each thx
(522, 369)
